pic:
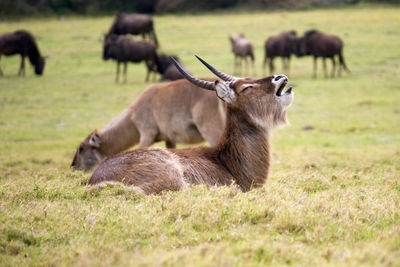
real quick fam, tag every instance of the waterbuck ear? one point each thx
(94, 140)
(224, 92)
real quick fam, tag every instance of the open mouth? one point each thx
(281, 87)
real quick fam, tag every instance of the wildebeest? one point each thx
(319, 44)
(123, 49)
(241, 48)
(241, 157)
(281, 45)
(174, 112)
(167, 68)
(126, 23)
(23, 43)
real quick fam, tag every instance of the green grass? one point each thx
(333, 195)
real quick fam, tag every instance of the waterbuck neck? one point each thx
(244, 149)
(118, 135)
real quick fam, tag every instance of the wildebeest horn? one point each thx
(204, 84)
(220, 74)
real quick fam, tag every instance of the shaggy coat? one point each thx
(22, 43)
(123, 50)
(242, 156)
(126, 23)
(174, 112)
(318, 44)
(282, 45)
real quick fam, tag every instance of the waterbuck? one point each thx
(318, 44)
(174, 112)
(23, 43)
(242, 155)
(126, 23)
(124, 49)
(281, 45)
(241, 48)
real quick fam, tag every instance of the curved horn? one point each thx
(223, 76)
(195, 81)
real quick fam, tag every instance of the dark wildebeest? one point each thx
(125, 23)
(124, 49)
(281, 45)
(167, 68)
(241, 157)
(318, 44)
(241, 48)
(23, 43)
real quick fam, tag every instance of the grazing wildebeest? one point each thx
(281, 45)
(241, 48)
(174, 112)
(123, 49)
(241, 157)
(126, 23)
(23, 43)
(167, 68)
(318, 44)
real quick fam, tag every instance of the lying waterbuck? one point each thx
(242, 155)
(318, 44)
(282, 45)
(174, 112)
(124, 49)
(126, 23)
(23, 43)
(241, 48)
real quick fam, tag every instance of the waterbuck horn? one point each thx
(220, 74)
(204, 84)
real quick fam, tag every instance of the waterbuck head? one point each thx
(262, 101)
(88, 155)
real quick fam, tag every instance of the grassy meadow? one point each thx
(333, 194)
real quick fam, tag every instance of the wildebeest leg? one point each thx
(333, 67)
(315, 68)
(1, 72)
(117, 73)
(21, 71)
(234, 64)
(264, 64)
(271, 65)
(324, 66)
(170, 144)
(125, 66)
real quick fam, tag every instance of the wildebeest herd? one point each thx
(234, 115)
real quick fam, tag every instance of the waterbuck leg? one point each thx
(246, 62)
(117, 73)
(170, 144)
(315, 68)
(147, 138)
(324, 66)
(333, 67)
(125, 66)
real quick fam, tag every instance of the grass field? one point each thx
(333, 195)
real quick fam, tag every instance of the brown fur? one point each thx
(23, 43)
(241, 48)
(124, 49)
(282, 45)
(126, 23)
(242, 155)
(319, 44)
(174, 112)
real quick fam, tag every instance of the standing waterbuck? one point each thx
(174, 112)
(242, 155)
(241, 48)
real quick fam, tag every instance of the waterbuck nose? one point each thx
(277, 78)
